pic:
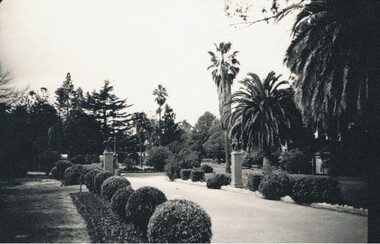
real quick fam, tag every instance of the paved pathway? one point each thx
(242, 217)
(40, 210)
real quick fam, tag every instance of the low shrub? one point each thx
(254, 181)
(254, 158)
(185, 174)
(275, 185)
(179, 221)
(119, 200)
(111, 185)
(54, 173)
(197, 175)
(326, 190)
(73, 174)
(99, 179)
(158, 156)
(316, 190)
(172, 169)
(62, 165)
(186, 164)
(89, 179)
(141, 205)
(217, 181)
(303, 191)
(207, 168)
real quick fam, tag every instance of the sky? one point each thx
(136, 45)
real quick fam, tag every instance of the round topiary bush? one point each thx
(275, 185)
(197, 175)
(111, 185)
(218, 181)
(254, 181)
(119, 200)
(99, 179)
(207, 168)
(142, 204)
(303, 191)
(185, 174)
(62, 165)
(89, 179)
(326, 190)
(73, 174)
(179, 221)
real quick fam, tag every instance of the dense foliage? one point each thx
(73, 174)
(158, 156)
(62, 165)
(172, 169)
(179, 221)
(197, 175)
(254, 181)
(217, 181)
(294, 161)
(119, 200)
(141, 205)
(185, 174)
(207, 168)
(111, 185)
(89, 179)
(99, 179)
(275, 185)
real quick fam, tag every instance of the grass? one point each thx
(102, 224)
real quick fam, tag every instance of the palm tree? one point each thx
(141, 123)
(335, 54)
(161, 95)
(224, 69)
(259, 118)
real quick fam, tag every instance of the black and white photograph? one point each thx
(189, 121)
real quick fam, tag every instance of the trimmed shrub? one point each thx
(73, 174)
(179, 221)
(303, 191)
(218, 181)
(119, 200)
(197, 175)
(254, 158)
(89, 179)
(172, 169)
(99, 179)
(186, 164)
(326, 190)
(111, 185)
(54, 173)
(254, 181)
(207, 168)
(275, 185)
(185, 174)
(62, 165)
(141, 205)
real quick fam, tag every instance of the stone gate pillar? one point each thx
(236, 169)
(108, 161)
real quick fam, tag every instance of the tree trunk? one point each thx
(227, 151)
(266, 165)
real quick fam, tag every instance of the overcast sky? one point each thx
(136, 45)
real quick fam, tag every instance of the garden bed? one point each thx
(102, 224)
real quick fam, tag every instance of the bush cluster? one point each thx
(119, 200)
(316, 190)
(294, 161)
(275, 185)
(217, 181)
(185, 174)
(254, 158)
(172, 169)
(73, 174)
(61, 166)
(178, 221)
(254, 181)
(111, 185)
(197, 175)
(158, 156)
(89, 179)
(207, 168)
(141, 205)
(99, 179)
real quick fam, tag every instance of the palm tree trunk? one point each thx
(227, 151)
(266, 165)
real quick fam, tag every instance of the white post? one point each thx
(108, 161)
(236, 169)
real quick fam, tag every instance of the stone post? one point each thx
(236, 170)
(108, 161)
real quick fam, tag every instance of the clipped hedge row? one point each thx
(111, 185)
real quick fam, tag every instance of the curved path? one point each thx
(241, 217)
